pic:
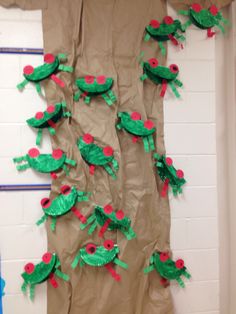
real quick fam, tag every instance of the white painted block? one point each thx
(31, 206)
(35, 15)
(10, 71)
(178, 234)
(11, 272)
(10, 138)
(199, 46)
(9, 14)
(11, 209)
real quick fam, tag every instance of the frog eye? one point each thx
(148, 124)
(65, 189)
(180, 173)
(91, 248)
(49, 58)
(51, 109)
(108, 151)
(120, 214)
(168, 20)
(28, 70)
(169, 161)
(29, 268)
(153, 62)
(108, 209)
(45, 202)
(101, 79)
(88, 138)
(164, 257)
(135, 115)
(47, 257)
(174, 68)
(57, 153)
(33, 152)
(39, 115)
(89, 79)
(108, 244)
(154, 24)
(179, 264)
(214, 10)
(196, 7)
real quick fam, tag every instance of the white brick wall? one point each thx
(190, 139)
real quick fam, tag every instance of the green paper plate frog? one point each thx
(98, 256)
(97, 156)
(110, 220)
(167, 268)
(133, 124)
(45, 163)
(52, 65)
(48, 119)
(162, 75)
(91, 86)
(48, 269)
(63, 204)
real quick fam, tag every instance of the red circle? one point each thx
(65, 189)
(154, 24)
(101, 79)
(108, 244)
(51, 109)
(174, 68)
(49, 58)
(89, 79)
(148, 124)
(29, 268)
(196, 7)
(153, 62)
(91, 248)
(47, 257)
(120, 214)
(108, 209)
(39, 115)
(57, 153)
(135, 115)
(108, 151)
(169, 161)
(164, 282)
(180, 173)
(88, 138)
(164, 257)
(33, 152)
(168, 20)
(179, 264)
(45, 202)
(214, 10)
(28, 70)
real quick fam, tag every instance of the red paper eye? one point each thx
(51, 109)
(88, 138)
(108, 151)
(196, 7)
(148, 124)
(179, 264)
(47, 257)
(45, 202)
(180, 173)
(57, 153)
(28, 70)
(155, 24)
(120, 214)
(108, 209)
(108, 244)
(169, 161)
(29, 268)
(39, 115)
(65, 189)
(164, 257)
(49, 58)
(168, 20)
(214, 10)
(135, 115)
(91, 248)
(33, 152)
(153, 62)
(101, 79)
(89, 79)
(174, 68)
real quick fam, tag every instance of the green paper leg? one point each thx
(92, 228)
(53, 223)
(180, 282)
(65, 68)
(81, 263)
(115, 164)
(66, 170)
(140, 58)
(112, 96)
(221, 28)
(75, 261)
(151, 142)
(187, 275)
(51, 131)
(130, 234)
(146, 144)
(89, 221)
(62, 56)
(77, 95)
(41, 220)
(186, 25)
(22, 85)
(23, 167)
(39, 137)
(174, 90)
(120, 263)
(178, 83)
(162, 47)
(38, 88)
(147, 37)
(87, 100)
(148, 269)
(179, 37)
(183, 12)
(24, 287)
(119, 126)
(107, 99)
(19, 159)
(32, 292)
(143, 77)
(67, 114)
(62, 275)
(110, 171)
(70, 162)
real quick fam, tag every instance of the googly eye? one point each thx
(108, 209)
(88, 138)
(120, 214)
(28, 69)
(39, 115)
(108, 244)
(33, 152)
(196, 7)
(101, 79)
(168, 20)
(174, 68)
(65, 189)
(135, 115)
(29, 268)
(214, 10)
(91, 248)
(49, 58)
(45, 202)
(57, 153)
(164, 257)
(89, 79)
(51, 109)
(179, 264)
(108, 151)
(47, 257)
(155, 24)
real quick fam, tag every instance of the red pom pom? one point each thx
(174, 68)
(108, 209)
(33, 152)
(28, 70)
(89, 79)
(88, 138)
(39, 115)
(91, 248)
(49, 58)
(179, 264)
(29, 268)
(120, 214)
(154, 24)
(135, 115)
(164, 257)
(180, 173)
(51, 109)
(168, 20)
(148, 124)
(101, 79)
(108, 151)
(153, 62)
(57, 153)
(169, 161)
(196, 7)
(65, 189)
(214, 10)
(108, 244)
(47, 257)
(45, 202)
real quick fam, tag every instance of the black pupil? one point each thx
(45, 202)
(67, 189)
(175, 68)
(92, 249)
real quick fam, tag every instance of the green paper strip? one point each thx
(75, 261)
(120, 263)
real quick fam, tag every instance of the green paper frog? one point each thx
(109, 220)
(133, 124)
(169, 175)
(204, 19)
(165, 31)
(45, 163)
(52, 65)
(167, 268)
(162, 75)
(97, 156)
(62, 204)
(45, 270)
(98, 256)
(90, 86)
(48, 119)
